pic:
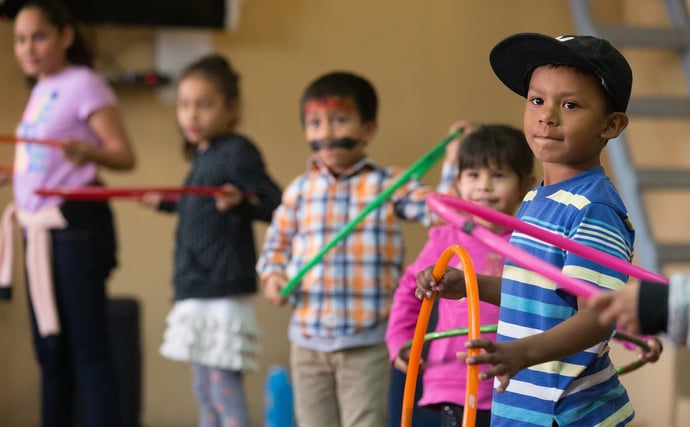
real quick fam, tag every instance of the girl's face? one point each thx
(203, 113)
(498, 188)
(332, 119)
(40, 48)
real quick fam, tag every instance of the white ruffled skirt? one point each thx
(219, 332)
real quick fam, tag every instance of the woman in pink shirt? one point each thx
(70, 245)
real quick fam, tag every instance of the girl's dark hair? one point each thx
(344, 85)
(218, 70)
(497, 145)
(59, 15)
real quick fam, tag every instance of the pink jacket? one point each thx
(444, 378)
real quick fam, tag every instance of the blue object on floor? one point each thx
(278, 409)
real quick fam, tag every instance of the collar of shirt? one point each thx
(366, 164)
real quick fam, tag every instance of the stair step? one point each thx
(673, 252)
(649, 178)
(660, 38)
(662, 107)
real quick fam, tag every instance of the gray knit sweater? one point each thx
(215, 252)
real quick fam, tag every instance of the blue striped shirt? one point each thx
(581, 389)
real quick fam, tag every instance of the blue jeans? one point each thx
(76, 365)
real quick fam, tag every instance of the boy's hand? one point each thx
(506, 359)
(451, 285)
(272, 285)
(230, 198)
(619, 307)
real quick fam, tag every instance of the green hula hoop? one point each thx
(431, 336)
(415, 171)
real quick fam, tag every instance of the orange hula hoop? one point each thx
(470, 412)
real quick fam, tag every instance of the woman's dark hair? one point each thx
(59, 15)
(218, 70)
(497, 145)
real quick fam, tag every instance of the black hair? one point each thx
(218, 70)
(344, 85)
(497, 146)
(59, 15)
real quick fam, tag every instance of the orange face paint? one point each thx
(328, 103)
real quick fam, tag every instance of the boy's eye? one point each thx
(536, 101)
(569, 105)
(313, 122)
(340, 119)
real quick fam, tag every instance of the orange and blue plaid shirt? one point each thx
(350, 291)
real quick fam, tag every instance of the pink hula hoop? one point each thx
(446, 207)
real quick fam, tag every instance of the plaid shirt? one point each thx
(351, 289)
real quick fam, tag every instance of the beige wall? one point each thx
(428, 61)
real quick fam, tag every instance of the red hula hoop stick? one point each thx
(102, 193)
(11, 139)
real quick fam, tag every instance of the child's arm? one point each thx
(405, 309)
(250, 187)
(571, 336)
(452, 285)
(403, 317)
(449, 171)
(277, 246)
(116, 152)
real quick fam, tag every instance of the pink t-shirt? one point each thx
(58, 109)
(444, 377)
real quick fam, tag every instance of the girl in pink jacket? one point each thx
(495, 170)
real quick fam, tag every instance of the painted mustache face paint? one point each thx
(330, 103)
(346, 143)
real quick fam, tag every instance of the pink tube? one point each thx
(443, 206)
(447, 204)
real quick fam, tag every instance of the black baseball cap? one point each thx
(514, 58)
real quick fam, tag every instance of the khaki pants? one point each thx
(347, 388)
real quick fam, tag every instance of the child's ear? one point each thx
(67, 37)
(370, 129)
(615, 123)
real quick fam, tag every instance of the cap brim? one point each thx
(514, 58)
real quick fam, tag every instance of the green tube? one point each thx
(415, 171)
(435, 335)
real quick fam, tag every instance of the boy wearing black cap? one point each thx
(549, 343)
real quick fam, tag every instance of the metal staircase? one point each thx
(635, 182)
